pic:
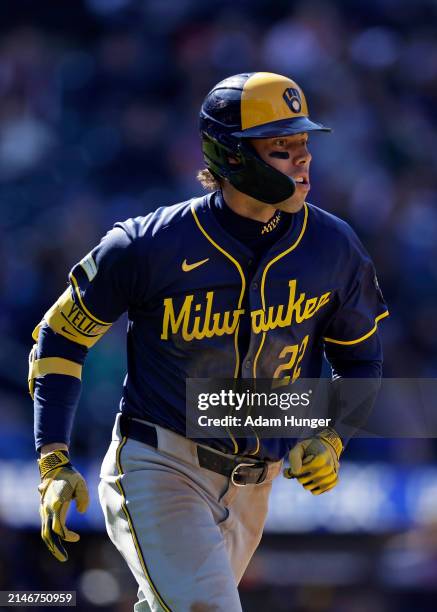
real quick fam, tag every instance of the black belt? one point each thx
(240, 470)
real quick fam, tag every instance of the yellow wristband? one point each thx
(331, 437)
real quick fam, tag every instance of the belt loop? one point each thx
(263, 474)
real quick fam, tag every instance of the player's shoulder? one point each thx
(133, 241)
(329, 223)
(336, 233)
(161, 221)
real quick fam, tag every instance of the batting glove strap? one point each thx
(330, 436)
(52, 461)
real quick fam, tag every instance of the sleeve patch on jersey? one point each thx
(70, 320)
(89, 266)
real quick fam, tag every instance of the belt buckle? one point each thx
(235, 473)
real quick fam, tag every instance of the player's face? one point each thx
(290, 155)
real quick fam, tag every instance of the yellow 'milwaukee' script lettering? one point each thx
(202, 325)
(196, 321)
(297, 310)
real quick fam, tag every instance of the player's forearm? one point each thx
(357, 369)
(56, 396)
(55, 402)
(354, 392)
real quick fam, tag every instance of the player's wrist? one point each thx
(330, 436)
(53, 461)
(53, 446)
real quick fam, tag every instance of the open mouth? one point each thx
(300, 180)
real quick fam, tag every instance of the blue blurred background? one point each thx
(98, 122)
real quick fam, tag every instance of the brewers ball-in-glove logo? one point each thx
(292, 97)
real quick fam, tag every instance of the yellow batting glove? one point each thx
(60, 484)
(314, 462)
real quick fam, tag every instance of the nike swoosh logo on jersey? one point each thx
(186, 267)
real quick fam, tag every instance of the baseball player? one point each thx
(248, 281)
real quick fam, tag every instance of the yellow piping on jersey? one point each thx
(263, 299)
(240, 300)
(358, 340)
(132, 528)
(243, 284)
(263, 279)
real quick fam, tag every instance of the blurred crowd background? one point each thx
(99, 102)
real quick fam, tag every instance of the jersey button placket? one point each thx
(255, 304)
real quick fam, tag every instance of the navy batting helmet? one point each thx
(252, 105)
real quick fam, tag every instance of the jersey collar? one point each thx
(238, 250)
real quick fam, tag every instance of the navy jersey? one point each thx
(184, 281)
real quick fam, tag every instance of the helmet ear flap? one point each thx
(250, 175)
(217, 156)
(258, 179)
